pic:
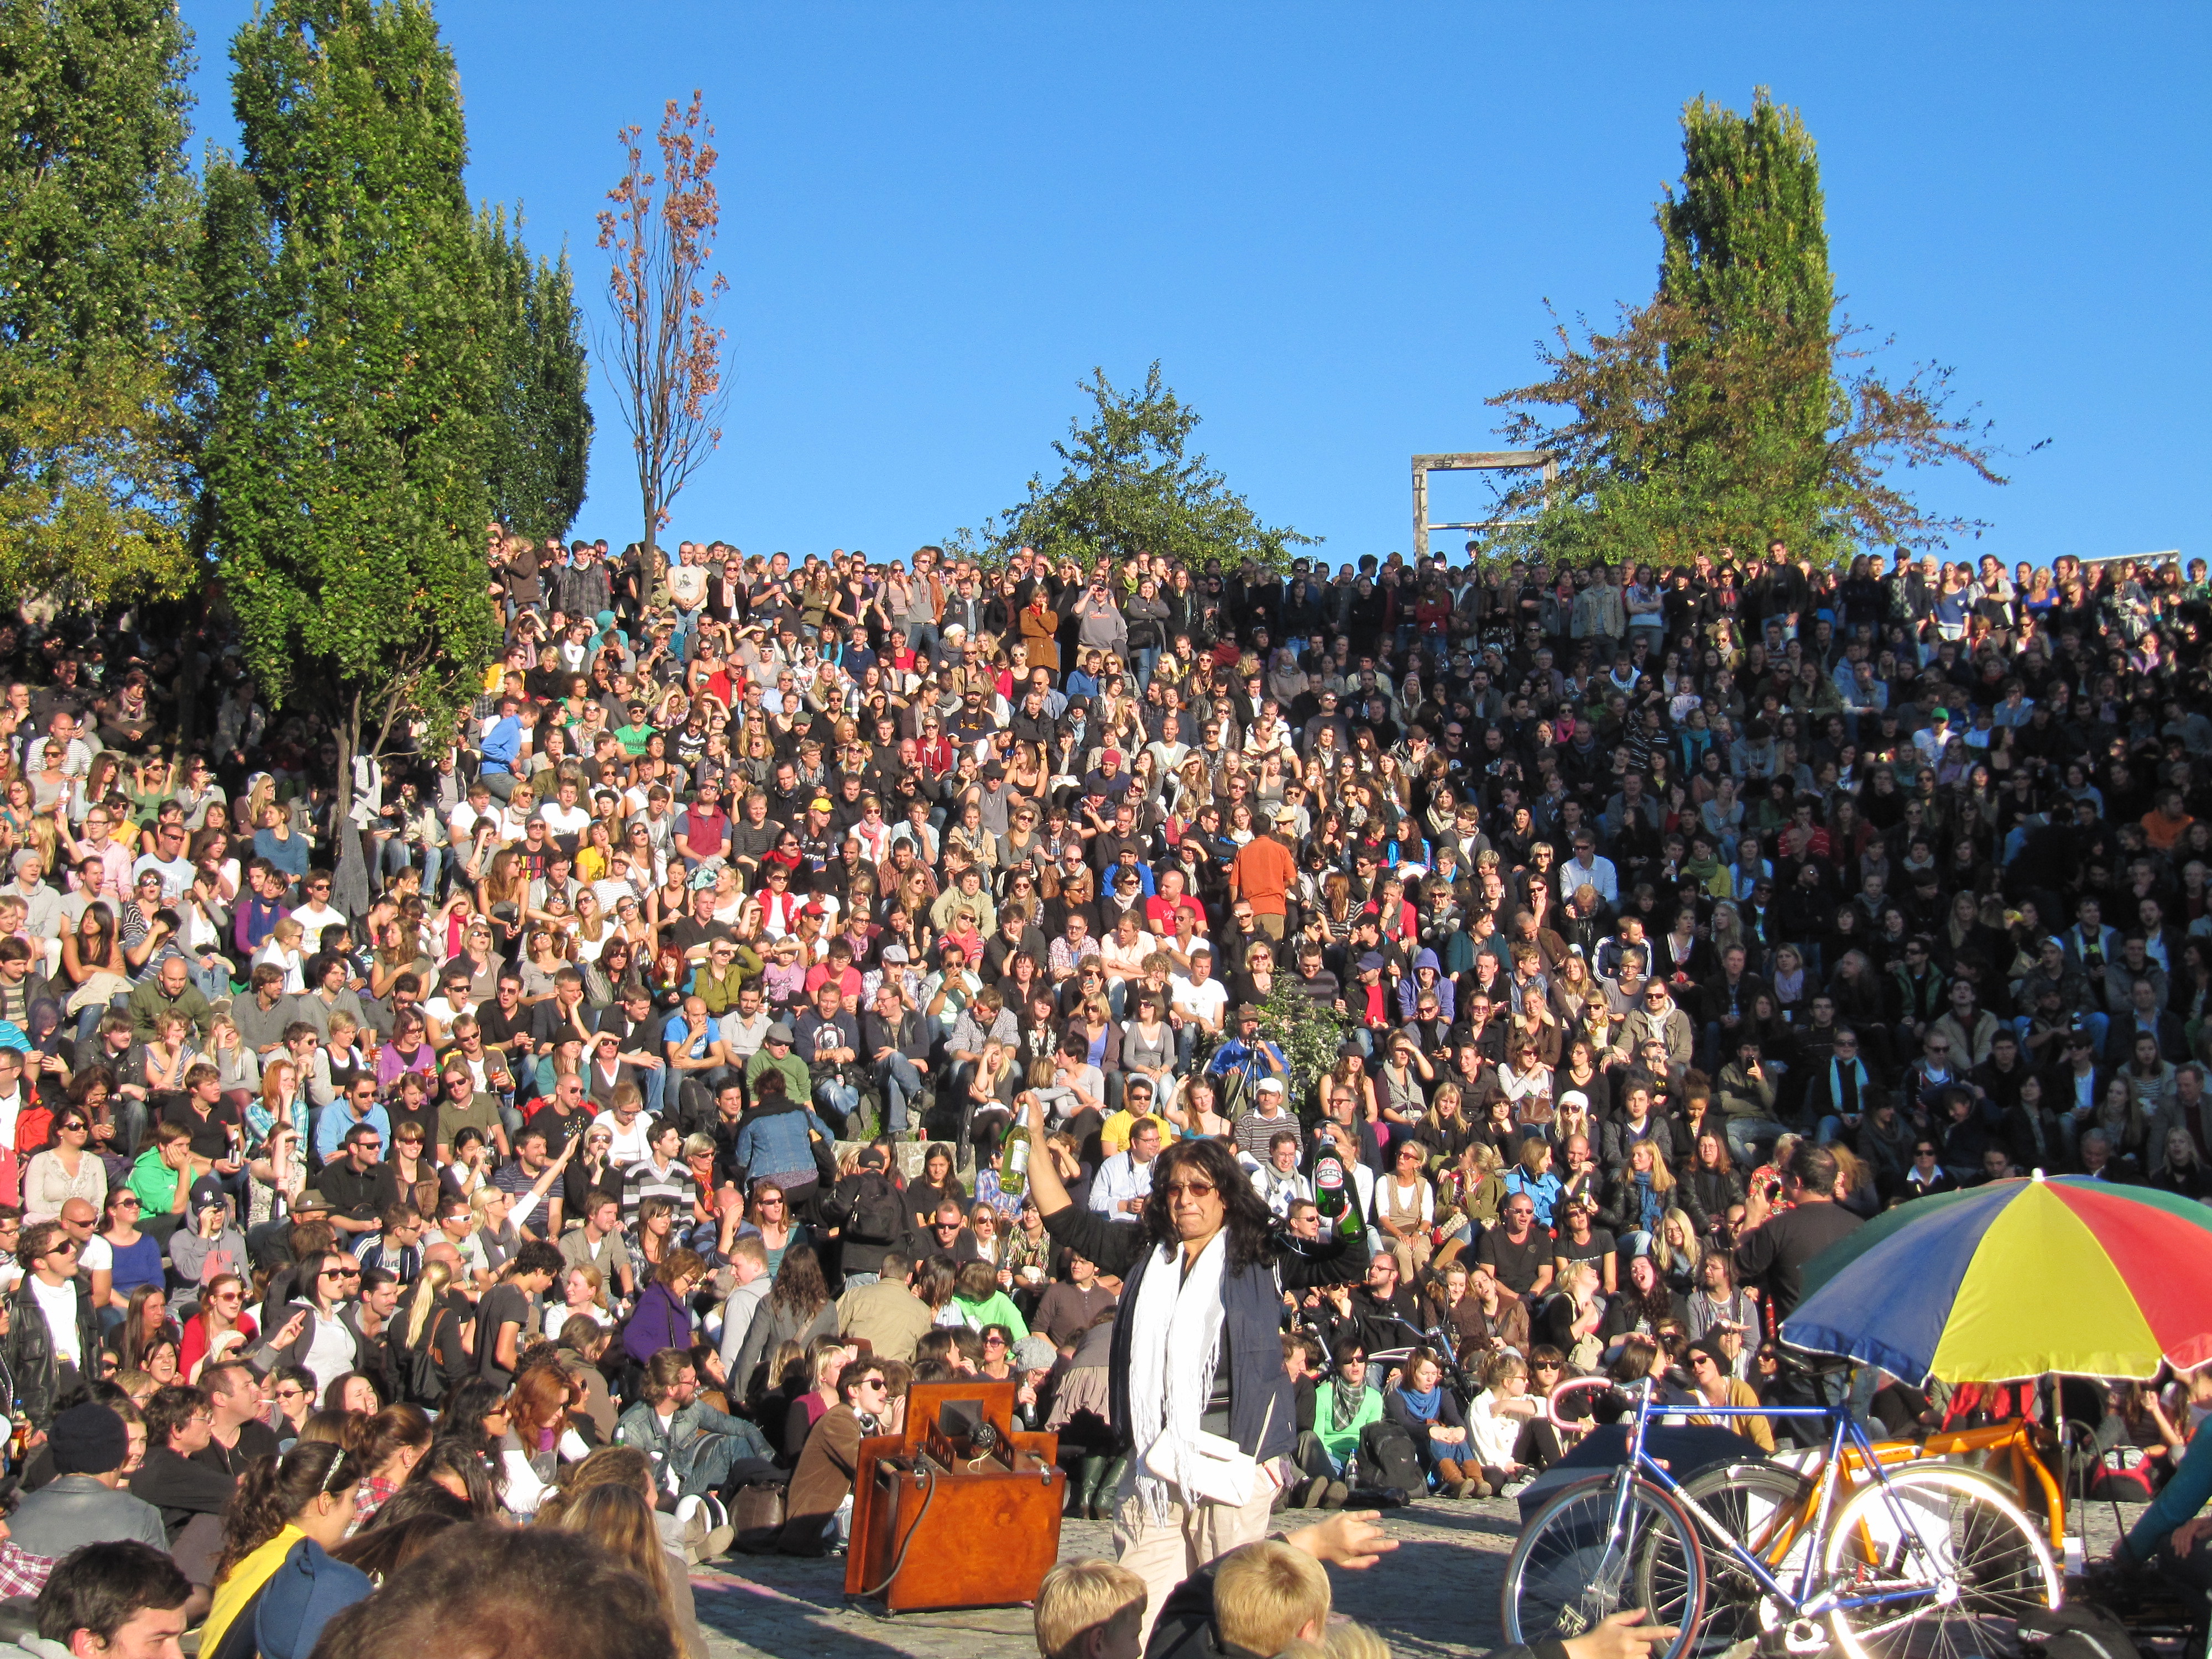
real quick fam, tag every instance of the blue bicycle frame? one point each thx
(1843, 1432)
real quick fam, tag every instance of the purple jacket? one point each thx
(660, 1321)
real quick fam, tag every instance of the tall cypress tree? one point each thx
(95, 292)
(1747, 236)
(541, 443)
(1744, 269)
(355, 372)
(1724, 412)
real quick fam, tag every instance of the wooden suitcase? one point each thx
(942, 1519)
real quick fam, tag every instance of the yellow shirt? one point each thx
(240, 1585)
(1114, 1133)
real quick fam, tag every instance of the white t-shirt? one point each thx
(59, 1303)
(630, 1145)
(1206, 1001)
(687, 586)
(314, 918)
(96, 1255)
(565, 820)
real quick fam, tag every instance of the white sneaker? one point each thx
(1516, 1487)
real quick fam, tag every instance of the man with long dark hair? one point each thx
(1201, 1407)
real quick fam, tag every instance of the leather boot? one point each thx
(1083, 1485)
(1448, 1478)
(1107, 1494)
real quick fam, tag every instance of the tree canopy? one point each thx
(96, 384)
(1734, 408)
(1129, 487)
(540, 441)
(356, 368)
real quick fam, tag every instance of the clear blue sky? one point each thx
(1336, 227)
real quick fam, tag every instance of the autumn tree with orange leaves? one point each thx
(666, 355)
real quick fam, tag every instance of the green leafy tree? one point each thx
(1311, 1037)
(101, 217)
(1129, 487)
(541, 437)
(1746, 238)
(354, 372)
(1733, 407)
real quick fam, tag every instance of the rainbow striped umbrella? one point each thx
(2018, 1278)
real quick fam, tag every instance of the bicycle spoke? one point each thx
(1572, 1568)
(1964, 1568)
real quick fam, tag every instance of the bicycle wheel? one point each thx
(1761, 1506)
(1956, 1563)
(1572, 1567)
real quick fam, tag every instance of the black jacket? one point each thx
(1262, 1419)
(179, 1487)
(30, 1350)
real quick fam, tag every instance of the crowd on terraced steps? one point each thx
(1280, 1022)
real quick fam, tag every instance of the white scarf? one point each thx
(1180, 1314)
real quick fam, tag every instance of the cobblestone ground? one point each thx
(1435, 1596)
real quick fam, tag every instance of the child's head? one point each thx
(1348, 1640)
(1089, 1610)
(1267, 1595)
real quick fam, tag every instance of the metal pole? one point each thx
(1420, 512)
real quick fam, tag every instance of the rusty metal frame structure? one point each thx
(1480, 460)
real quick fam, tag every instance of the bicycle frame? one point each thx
(1844, 1436)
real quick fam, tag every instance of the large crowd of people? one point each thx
(1282, 1022)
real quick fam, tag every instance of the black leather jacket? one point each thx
(30, 1350)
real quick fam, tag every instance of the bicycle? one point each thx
(1927, 1561)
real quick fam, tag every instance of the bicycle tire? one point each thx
(1565, 1573)
(1962, 1525)
(1752, 1501)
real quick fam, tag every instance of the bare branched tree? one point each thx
(667, 357)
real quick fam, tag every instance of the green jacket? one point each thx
(154, 1183)
(720, 991)
(999, 1311)
(799, 1082)
(1342, 1443)
(148, 1004)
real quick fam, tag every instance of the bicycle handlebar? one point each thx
(1604, 1384)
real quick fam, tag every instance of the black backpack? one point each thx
(1387, 1458)
(878, 1214)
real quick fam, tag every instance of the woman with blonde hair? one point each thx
(429, 1327)
(1639, 1198)
(583, 1291)
(1475, 1184)
(1678, 1251)
(619, 1518)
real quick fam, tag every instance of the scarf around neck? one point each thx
(1179, 1314)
